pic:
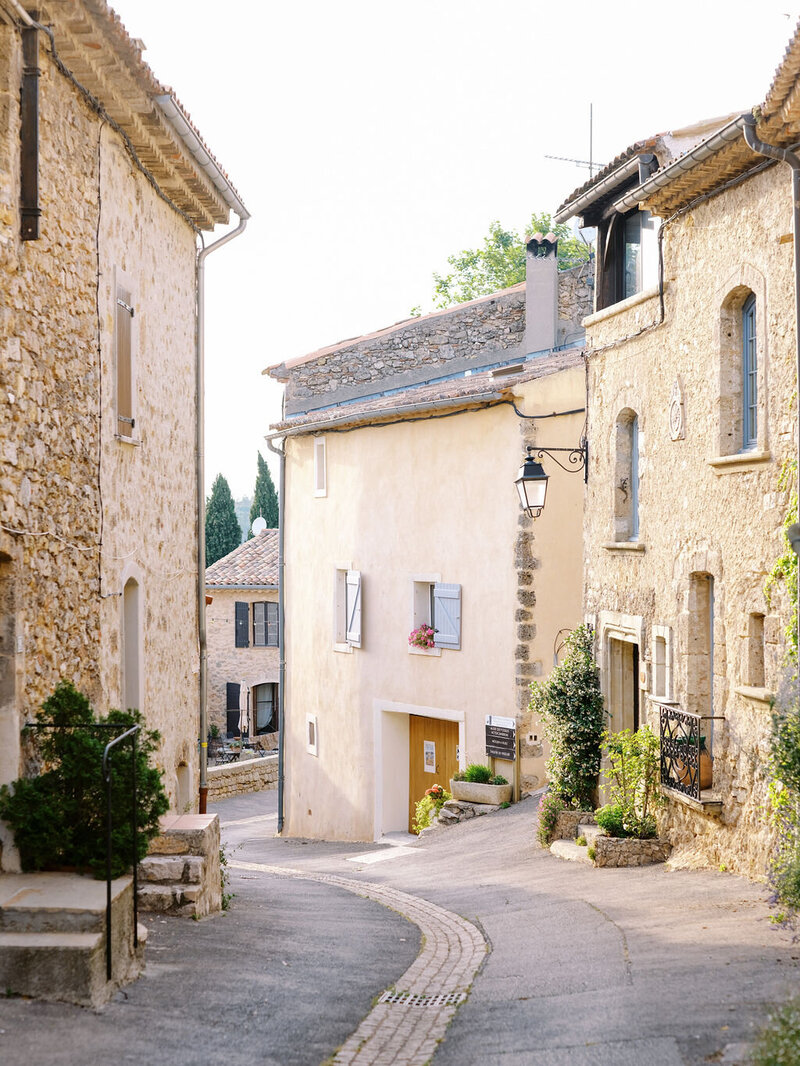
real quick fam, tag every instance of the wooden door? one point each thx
(433, 756)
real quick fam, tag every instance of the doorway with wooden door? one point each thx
(433, 756)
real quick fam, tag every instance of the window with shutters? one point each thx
(347, 610)
(232, 689)
(242, 625)
(125, 335)
(265, 625)
(437, 604)
(320, 472)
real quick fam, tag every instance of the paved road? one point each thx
(585, 967)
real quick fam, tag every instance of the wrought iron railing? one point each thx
(681, 741)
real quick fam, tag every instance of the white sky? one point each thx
(371, 140)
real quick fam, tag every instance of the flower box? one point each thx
(472, 792)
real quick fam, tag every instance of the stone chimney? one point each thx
(541, 292)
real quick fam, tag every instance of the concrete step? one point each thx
(56, 902)
(567, 849)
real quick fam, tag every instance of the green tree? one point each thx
(222, 527)
(570, 706)
(500, 261)
(265, 498)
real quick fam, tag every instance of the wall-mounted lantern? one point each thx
(531, 481)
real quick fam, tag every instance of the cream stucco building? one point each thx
(105, 188)
(401, 450)
(692, 419)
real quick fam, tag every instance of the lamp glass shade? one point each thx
(532, 486)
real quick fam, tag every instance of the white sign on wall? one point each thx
(429, 756)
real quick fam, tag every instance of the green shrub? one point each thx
(498, 779)
(581, 842)
(430, 804)
(784, 799)
(550, 806)
(591, 851)
(634, 776)
(609, 818)
(58, 818)
(779, 1043)
(570, 706)
(478, 774)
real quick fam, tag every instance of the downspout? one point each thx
(200, 352)
(281, 453)
(783, 155)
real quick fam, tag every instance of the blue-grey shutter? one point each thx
(353, 608)
(232, 696)
(259, 625)
(447, 615)
(272, 624)
(242, 635)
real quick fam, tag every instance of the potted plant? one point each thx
(477, 784)
(422, 637)
(706, 766)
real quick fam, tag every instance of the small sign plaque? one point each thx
(429, 756)
(501, 737)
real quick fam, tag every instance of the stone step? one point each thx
(567, 849)
(57, 902)
(171, 868)
(590, 832)
(164, 898)
(68, 967)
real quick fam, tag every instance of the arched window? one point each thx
(749, 374)
(131, 645)
(626, 479)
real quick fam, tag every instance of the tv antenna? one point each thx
(590, 163)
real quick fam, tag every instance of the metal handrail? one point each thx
(107, 778)
(134, 835)
(680, 739)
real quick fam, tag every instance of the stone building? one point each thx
(401, 449)
(242, 623)
(692, 421)
(105, 189)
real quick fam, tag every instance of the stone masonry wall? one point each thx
(703, 508)
(237, 778)
(65, 564)
(440, 343)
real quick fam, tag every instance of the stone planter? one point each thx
(627, 851)
(472, 792)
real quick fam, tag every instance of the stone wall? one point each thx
(181, 872)
(237, 778)
(626, 851)
(82, 512)
(704, 509)
(490, 329)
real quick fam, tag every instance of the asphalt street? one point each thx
(584, 966)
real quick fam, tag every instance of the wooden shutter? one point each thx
(124, 362)
(259, 625)
(242, 625)
(232, 696)
(353, 608)
(272, 624)
(447, 615)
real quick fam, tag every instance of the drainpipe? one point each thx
(200, 351)
(281, 453)
(783, 155)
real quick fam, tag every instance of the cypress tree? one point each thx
(222, 526)
(265, 498)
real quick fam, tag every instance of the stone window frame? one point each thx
(661, 635)
(731, 452)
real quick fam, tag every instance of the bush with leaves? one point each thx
(779, 1042)
(550, 806)
(570, 706)
(58, 818)
(784, 801)
(428, 807)
(634, 770)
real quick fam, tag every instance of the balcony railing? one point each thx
(680, 733)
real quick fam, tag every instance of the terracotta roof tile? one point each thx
(253, 563)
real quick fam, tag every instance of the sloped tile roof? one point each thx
(254, 563)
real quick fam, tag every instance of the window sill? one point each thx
(763, 695)
(624, 546)
(731, 464)
(346, 649)
(618, 308)
(710, 802)
(430, 652)
(135, 441)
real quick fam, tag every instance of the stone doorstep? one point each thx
(568, 849)
(186, 834)
(169, 899)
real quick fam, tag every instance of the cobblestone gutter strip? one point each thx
(404, 1029)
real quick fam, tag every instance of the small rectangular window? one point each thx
(265, 625)
(346, 609)
(749, 375)
(320, 474)
(755, 651)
